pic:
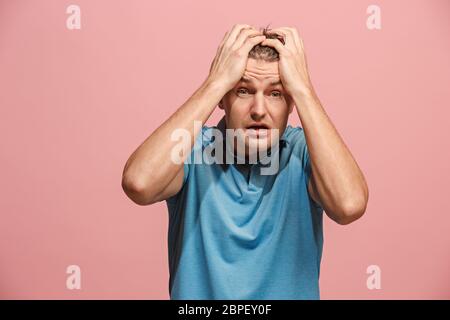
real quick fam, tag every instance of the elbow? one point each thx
(351, 212)
(137, 191)
(354, 208)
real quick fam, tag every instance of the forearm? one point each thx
(339, 181)
(150, 167)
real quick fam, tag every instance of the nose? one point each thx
(258, 109)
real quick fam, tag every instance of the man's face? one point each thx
(259, 102)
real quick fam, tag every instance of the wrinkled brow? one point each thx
(248, 80)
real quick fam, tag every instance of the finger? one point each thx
(219, 49)
(227, 39)
(293, 34)
(246, 33)
(250, 42)
(287, 36)
(223, 40)
(234, 33)
(275, 43)
(297, 39)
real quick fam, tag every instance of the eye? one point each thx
(242, 91)
(278, 93)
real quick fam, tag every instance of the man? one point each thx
(235, 233)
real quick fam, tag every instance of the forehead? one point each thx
(261, 71)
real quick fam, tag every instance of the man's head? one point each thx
(259, 99)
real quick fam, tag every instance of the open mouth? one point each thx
(257, 127)
(257, 130)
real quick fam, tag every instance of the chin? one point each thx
(260, 145)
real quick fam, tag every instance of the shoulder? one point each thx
(204, 137)
(208, 133)
(294, 136)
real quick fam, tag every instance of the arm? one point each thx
(336, 181)
(149, 174)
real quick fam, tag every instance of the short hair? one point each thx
(266, 53)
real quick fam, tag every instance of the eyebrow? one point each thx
(273, 83)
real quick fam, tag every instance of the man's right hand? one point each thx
(230, 61)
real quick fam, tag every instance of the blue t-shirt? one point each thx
(238, 234)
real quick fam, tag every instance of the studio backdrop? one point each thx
(84, 82)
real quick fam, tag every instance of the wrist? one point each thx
(304, 94)
(216, 85)
(213, 89)
(306, 100)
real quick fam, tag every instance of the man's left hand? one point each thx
(293, 68)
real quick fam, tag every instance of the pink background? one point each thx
(76, 103)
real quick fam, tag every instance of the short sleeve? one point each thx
(308, 171)
(187, 165)
(185, 172)
(173, 199)
(306, 164)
